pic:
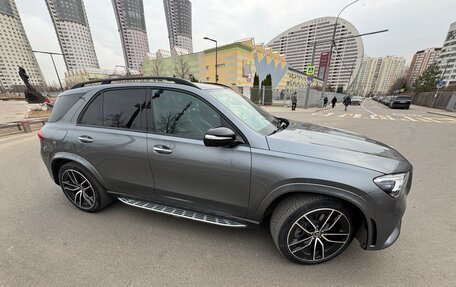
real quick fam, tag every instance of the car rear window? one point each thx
(62, 105)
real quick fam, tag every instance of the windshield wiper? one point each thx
(283, 124)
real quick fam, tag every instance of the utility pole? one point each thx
(306, 101)
(438, 86)
(216, 64)
(325, 76)
(55, 68)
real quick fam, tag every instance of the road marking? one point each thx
(425, 120)
(391, 118)
(357, 116)
(409, 118)
(373, 117)
(341, 116)
(382, 117)
(362, 106)
(328, 114)
(431, 119)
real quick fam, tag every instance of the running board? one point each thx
(179, 212)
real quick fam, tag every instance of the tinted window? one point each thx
(183, 115)
(62, 105)
(93, 114)
(119, 109)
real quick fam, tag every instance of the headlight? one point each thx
(392, 184)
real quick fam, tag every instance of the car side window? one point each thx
(123, 108)
(181, 114)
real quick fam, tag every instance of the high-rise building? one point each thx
(15, 49)
(73, 31)
(420, 62)
(447, 58)
(179, 20)
(132, 29)
(296, 44)
(377, 75)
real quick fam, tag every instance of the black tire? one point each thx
(95, 196)
(287, 218)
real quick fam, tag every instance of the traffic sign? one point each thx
(309, 79)
(310, 70)
(440, 84)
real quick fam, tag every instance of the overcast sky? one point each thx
(413, 24)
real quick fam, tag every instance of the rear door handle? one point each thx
(161, 149)
(85, 139)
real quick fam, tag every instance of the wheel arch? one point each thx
(366, 226)
(62, 158)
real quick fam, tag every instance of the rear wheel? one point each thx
(82, 189)
(311, 229)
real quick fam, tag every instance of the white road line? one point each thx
(382, 117)
(341, 116)
(328, 114)
(431, 119)
(362, 106)
(374, 117)
(409, 118)
(391, 118)
(424, 120)
(357, 116)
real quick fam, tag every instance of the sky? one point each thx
(413, 25)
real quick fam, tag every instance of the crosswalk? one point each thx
(394, 117)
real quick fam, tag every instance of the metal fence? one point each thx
(445, 101)
(268, 96)
(25, 126)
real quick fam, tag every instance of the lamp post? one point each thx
(216, 74)
(55, 68)
(325, 77)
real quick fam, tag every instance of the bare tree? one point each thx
(181, 67)
(157, 67)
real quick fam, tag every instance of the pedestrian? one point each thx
(325, 102)
(347, 101)
(282, 95)
(333, 102)
(294, 101)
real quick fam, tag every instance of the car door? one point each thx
(186, 172)
(111, 134)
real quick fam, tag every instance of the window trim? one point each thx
(100, 93)
(224, 119)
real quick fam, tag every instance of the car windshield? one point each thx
(249, 113)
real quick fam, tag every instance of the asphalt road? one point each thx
(45, 241)
(11, 111)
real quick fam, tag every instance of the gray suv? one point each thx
(203, 152)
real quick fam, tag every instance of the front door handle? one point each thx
(85, 139)
(162, 149)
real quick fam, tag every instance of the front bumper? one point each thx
(385, 223)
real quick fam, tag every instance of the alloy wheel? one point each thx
(318, 235)
(78, 189)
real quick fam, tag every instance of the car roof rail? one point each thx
(158, 79)
(217, 84)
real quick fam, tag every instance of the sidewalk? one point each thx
(443, 113)
(11, 111)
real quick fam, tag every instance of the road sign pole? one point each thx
(306, 101)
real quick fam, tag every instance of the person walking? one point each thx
(333, 102)
(294, 101)
(325, 102)
(347, 101)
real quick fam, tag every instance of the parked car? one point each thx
(355, 100)
(205, 153)
(401, 102)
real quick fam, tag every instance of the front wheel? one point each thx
(311, 229)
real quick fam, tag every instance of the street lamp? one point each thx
(216, 75)
(55, 68)
(325, 77)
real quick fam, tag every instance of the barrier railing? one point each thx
(24, 126)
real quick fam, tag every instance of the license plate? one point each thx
(403, 102)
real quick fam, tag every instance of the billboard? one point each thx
(323, 65)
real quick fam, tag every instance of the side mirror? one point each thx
(220, 136)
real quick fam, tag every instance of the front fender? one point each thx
(332, 191)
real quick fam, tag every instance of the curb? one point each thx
(442, 114)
